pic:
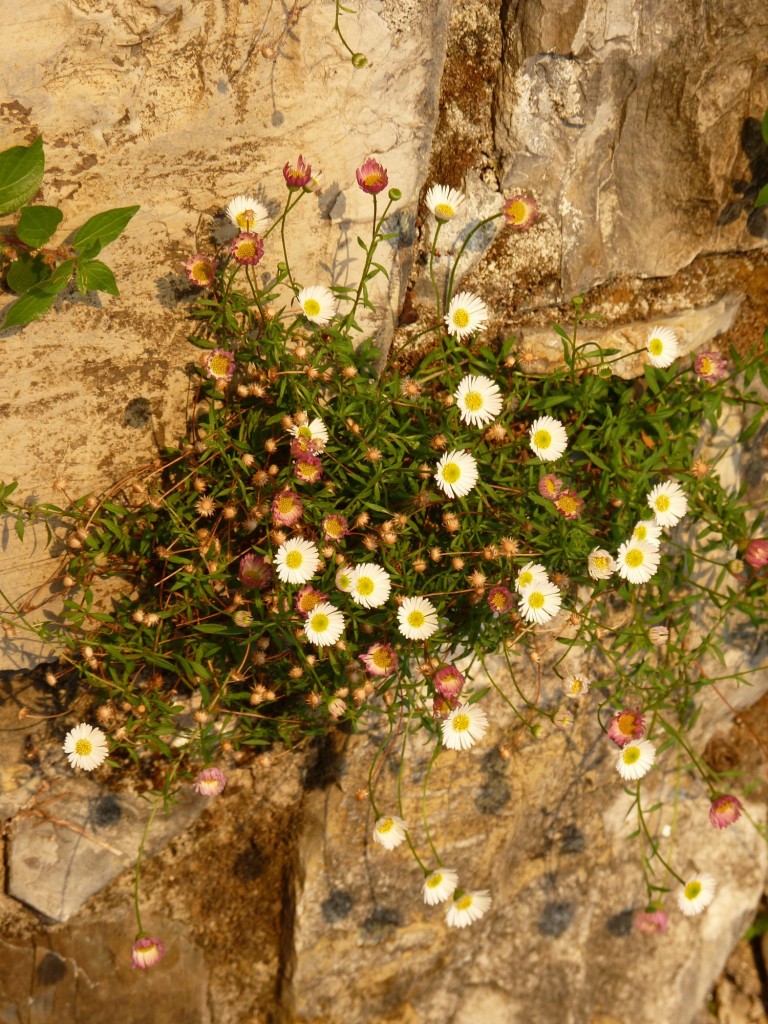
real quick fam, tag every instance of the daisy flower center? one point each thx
(631, 755)
(365, 586)
(542, 439)
(662, 503)
(568, 504)
(706, 365)
(464, 902)
(343, 581)
(600, 562)
(319, 623)
(525, 579)
(83, 748)
(515, 212)
(219, 366)
(416, 619)
(640, 532)
(304, 432)
(577, 685)
(381, 659)
(434, 881)
(308, 602)
(635, 558)
(373, 179)
(460, 317)
(451, 472)
(536, 599)
(201, 274)
(294, 559)
(311, 307)
(333, 527)
(245, 219)
(498, 602)
(626, 724)
(246, 250)
(473, 400)
(444, 210)
(461, 723)
(692, 890)
(385, 826)
(655, 346)
(285, 505)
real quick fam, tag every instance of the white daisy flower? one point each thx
(540, 602)
(317, 304)
(343, 579)
(638, 560)
(390, 831)
(668, 502)
(575, 686)
(466, 315)
(479, 400)
(315, 431)
(297, 560)
(248, 214)
(662, 347)
(324, 624)
(439, 886)
(369, 585)
(465, 725)
(443, 201)
(531, 572)
(635, 759)
(456, 474)
(467, 907)
(85, 747)
(600, 564)
(548, 438)
(417, 618)
(647, 530)
(696, 894)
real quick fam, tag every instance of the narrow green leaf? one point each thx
(36, 301)
(764, 127)
(25, 272)
(762, 196)
(95, 276)
(37, 224)
(21, 172)
(19, 527)
(103, 228)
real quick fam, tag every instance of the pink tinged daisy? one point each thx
(448, 682)
(254, 571)
(530, 574)
(647, 530)
(499, 600)
(662, 347)
(247, 249)
(210, 782)
(439, 886)
(658, 635)
(248, 214)
(317, 304)
(147, 952)
(576, 686)
(467, 906)
(324, 625)
(456, 473)
(335, 527)
(201, 270)
(417, 618)
(86, 747)
(637, 560)
(710, 367)
(308, 599)
(668, 502)
(756, 554)
(724, 810)
(297, 560)
(548, 438)
(465, 725)
(308, 469)
(479, 400)
(369, 585)
(389, 831)
(600, 564)
(550, 486)
(220, 364)
(287, 508)
(697, 894)
(466, 315)
(443, 201)
(314, 431)
(380, 660)
(372, 177)
(650, 922)
(569, 504)
(635, 759)
(540, 602)
(297, 175)
(520, 211)
(626, 726)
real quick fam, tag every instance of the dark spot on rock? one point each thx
(573, 840)
(277, 118)
(337, 906)
(381, 924)
(493, 795)
(326, 767)
(222, 86)
(251, 863)
(620, 924)
(106, 811)
(138, 413)
(555, 918)
(51, 969)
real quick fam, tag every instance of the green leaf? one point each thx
(37, 224)
(95, 276)
(103, 228)
(25, 272)
(764, 127)
(32, 304)
(21, 173)
(762, 196)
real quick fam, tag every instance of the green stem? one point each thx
(147, 827)
(431, 267)
(473, 232)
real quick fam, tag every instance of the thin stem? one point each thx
(474, 231)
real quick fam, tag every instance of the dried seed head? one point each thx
(509, 546)
(477, 579)
(362, 520)
(242, 391)
(373, 454)
(229, 512)
(314, 700)
(270, 445)
(435, 554)
(439, 442)
(248, 460)
(350, 372)
(260, 478)
(419, 565)
(199, 484)
(458, 563)
(451, 522)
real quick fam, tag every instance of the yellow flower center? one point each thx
(460, 317)
(201, 273)
(294, 559)
(444, 211)
(245, 219)
(416, 619)
(640, 533)
(285, 504)
(219, 366)
(525, 579)
(385, 826)
(656, 346)
(435, 880)
(319, 623)
(631, 755)
(333, 527)
(498, 602)
(365, 586)
(373, 179)
(567, 504)
(515, 212)
(662, 503)
(308, 601)
(692, 890)
(246, 250)
(600, 562)
(473, 401)
(83, 748)
(311, 307)
(634, 558)
(536, 599)
(577, 685)
(626, 724)
(706, 365)
(451, 472)
(464, 902)
(381, 658)
(461, 722)
(542, 439)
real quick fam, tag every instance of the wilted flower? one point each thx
(220, 364)
(756, 554)
(254, 571)
(372, 177)
(520, 211)
(307, 599)
(287, 508)
(380, 659)
(724, 810)
(247, 249)
(335, 527)
(448, 682)
(308, 468)
(600, 564)
(649, 922)
(210, 782)
(710, 366)
(625, 726)
(658, 635)
(147, 952)
(297, 175)
(499, 600)
(550, 486)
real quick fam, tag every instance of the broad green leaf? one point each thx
(37, 224)
(36, 301)
(95, 276)
(762, 196)
(25, 272)
(21, 172)
(103, 228)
